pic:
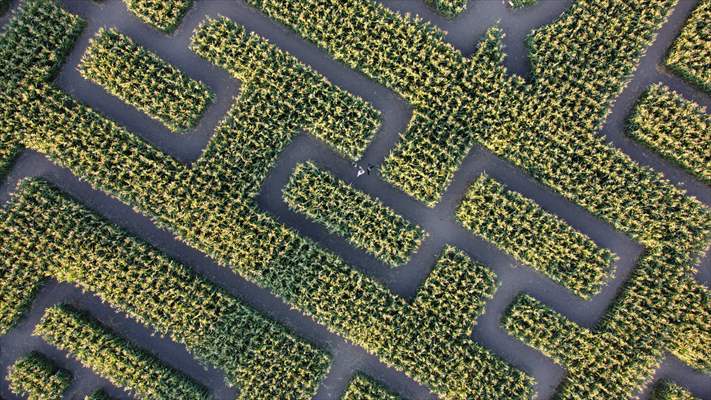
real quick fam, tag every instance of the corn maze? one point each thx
(355, 199)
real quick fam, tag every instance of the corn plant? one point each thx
(364, 221)
(690, 53)
(362, 387)
(164, 15)
(144, 80)
(667, 390)
(674, 127)
(114, 358)
(37, 378)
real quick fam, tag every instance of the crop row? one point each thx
(144, 80)
(367, 313)
(668, 390)
(364, 221)
(451, 298)
(522, 3)
(690, 53)
(535, 237)
(98, 395)
(562, 107)
(37, 378)
(362, 387)
(114, 358)
(675, 127)
(449, 8)
(32, 46)
(547, 128)
(625, 349)
(563, 341)
(164, 15)
(207, 208)
(45, 235)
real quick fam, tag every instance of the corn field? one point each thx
(164, 15)
(546, 126)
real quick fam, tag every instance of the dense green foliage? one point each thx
(98, 395)
(690, 53)
(37, 378)
(164, 15)
(522, 3)
(676, 128)
(66, 242)
(448, 8)
(535, 237)
(364, 221)
(34, 42)
(277, 84)
(144, 80)
(362, 387)
(670, 391)
(32, 46)
(547, 128)
(114, 358)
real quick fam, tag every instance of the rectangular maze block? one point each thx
(145, 81)
(546, 128)
(98, 395)
(164, 15)
(676, 128)
(535, 237)
(113, 358)
(37, 378)
(361, 219)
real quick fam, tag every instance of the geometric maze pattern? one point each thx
(360, 332)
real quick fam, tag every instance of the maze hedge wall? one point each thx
(365, 222)
(546, 127)
(115, 359)
(537, 238)
(164, 15)
(676, 128)
(37, 378)
(689, 56)
(142, 79)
